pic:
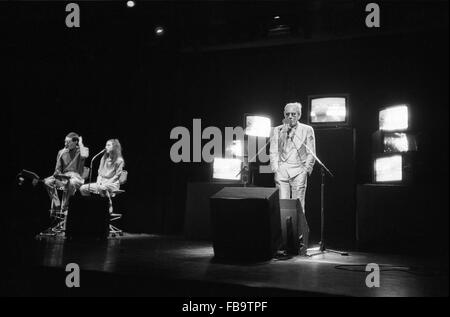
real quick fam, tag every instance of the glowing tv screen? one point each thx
(393, 142)
(235, 149)
(399, 142)
(328, 110)
(394, 118)
(388, 169)
(258, 126)
(227, 169)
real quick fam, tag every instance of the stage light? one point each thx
(130, 4)
(236, 148)
(258, 126)
(159, 31)
(394, 118)
(388, 169)
(276, 17)
(227, 168)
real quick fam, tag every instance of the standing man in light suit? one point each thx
(291, 160)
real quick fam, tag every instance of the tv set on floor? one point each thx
(227, 169)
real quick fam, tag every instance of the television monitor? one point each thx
(393, 142)
(394, 118)
(227, 169)
(398, 168)
(388, 169)
(256, 125)
(235, 149)
(328, 110)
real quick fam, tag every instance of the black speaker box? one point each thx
(246, 223)
(197, 223)
(88, 217)
(293, 226)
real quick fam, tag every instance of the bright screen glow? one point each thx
(236, 148)
(388, 169)
(227, 168)
(258, 126)
(397, 142)
(394, 118)
(329, 109)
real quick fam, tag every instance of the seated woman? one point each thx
(111, 166)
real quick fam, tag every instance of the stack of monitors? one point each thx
(230, 169)
(392, 145)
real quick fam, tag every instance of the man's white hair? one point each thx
(297, 105)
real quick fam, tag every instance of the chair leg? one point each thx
(58, 218)
(113, 230)
(56, 229)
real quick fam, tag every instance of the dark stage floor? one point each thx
(152, 265)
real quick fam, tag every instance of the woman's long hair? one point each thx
(116, 151)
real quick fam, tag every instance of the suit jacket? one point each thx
(65, 163)
(304, 135)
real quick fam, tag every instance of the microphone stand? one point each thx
(90, 169)
(323, 169)
(255, 156)
(247, 168)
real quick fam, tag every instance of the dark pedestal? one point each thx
(88, 217)
(197, 223)
(401, 219)
(246, 223)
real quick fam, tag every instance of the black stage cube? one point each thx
(88, 217)
(197, 223)
(246, 223)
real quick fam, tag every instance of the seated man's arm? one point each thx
(84, 151)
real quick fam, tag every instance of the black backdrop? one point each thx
(112, 78)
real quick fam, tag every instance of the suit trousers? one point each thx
(68, 186)
(292, 185)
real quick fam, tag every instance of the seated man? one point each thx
(109, 171)
(68, 170)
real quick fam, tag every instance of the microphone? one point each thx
(285, 127)
(98, 154)
(90, 169)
